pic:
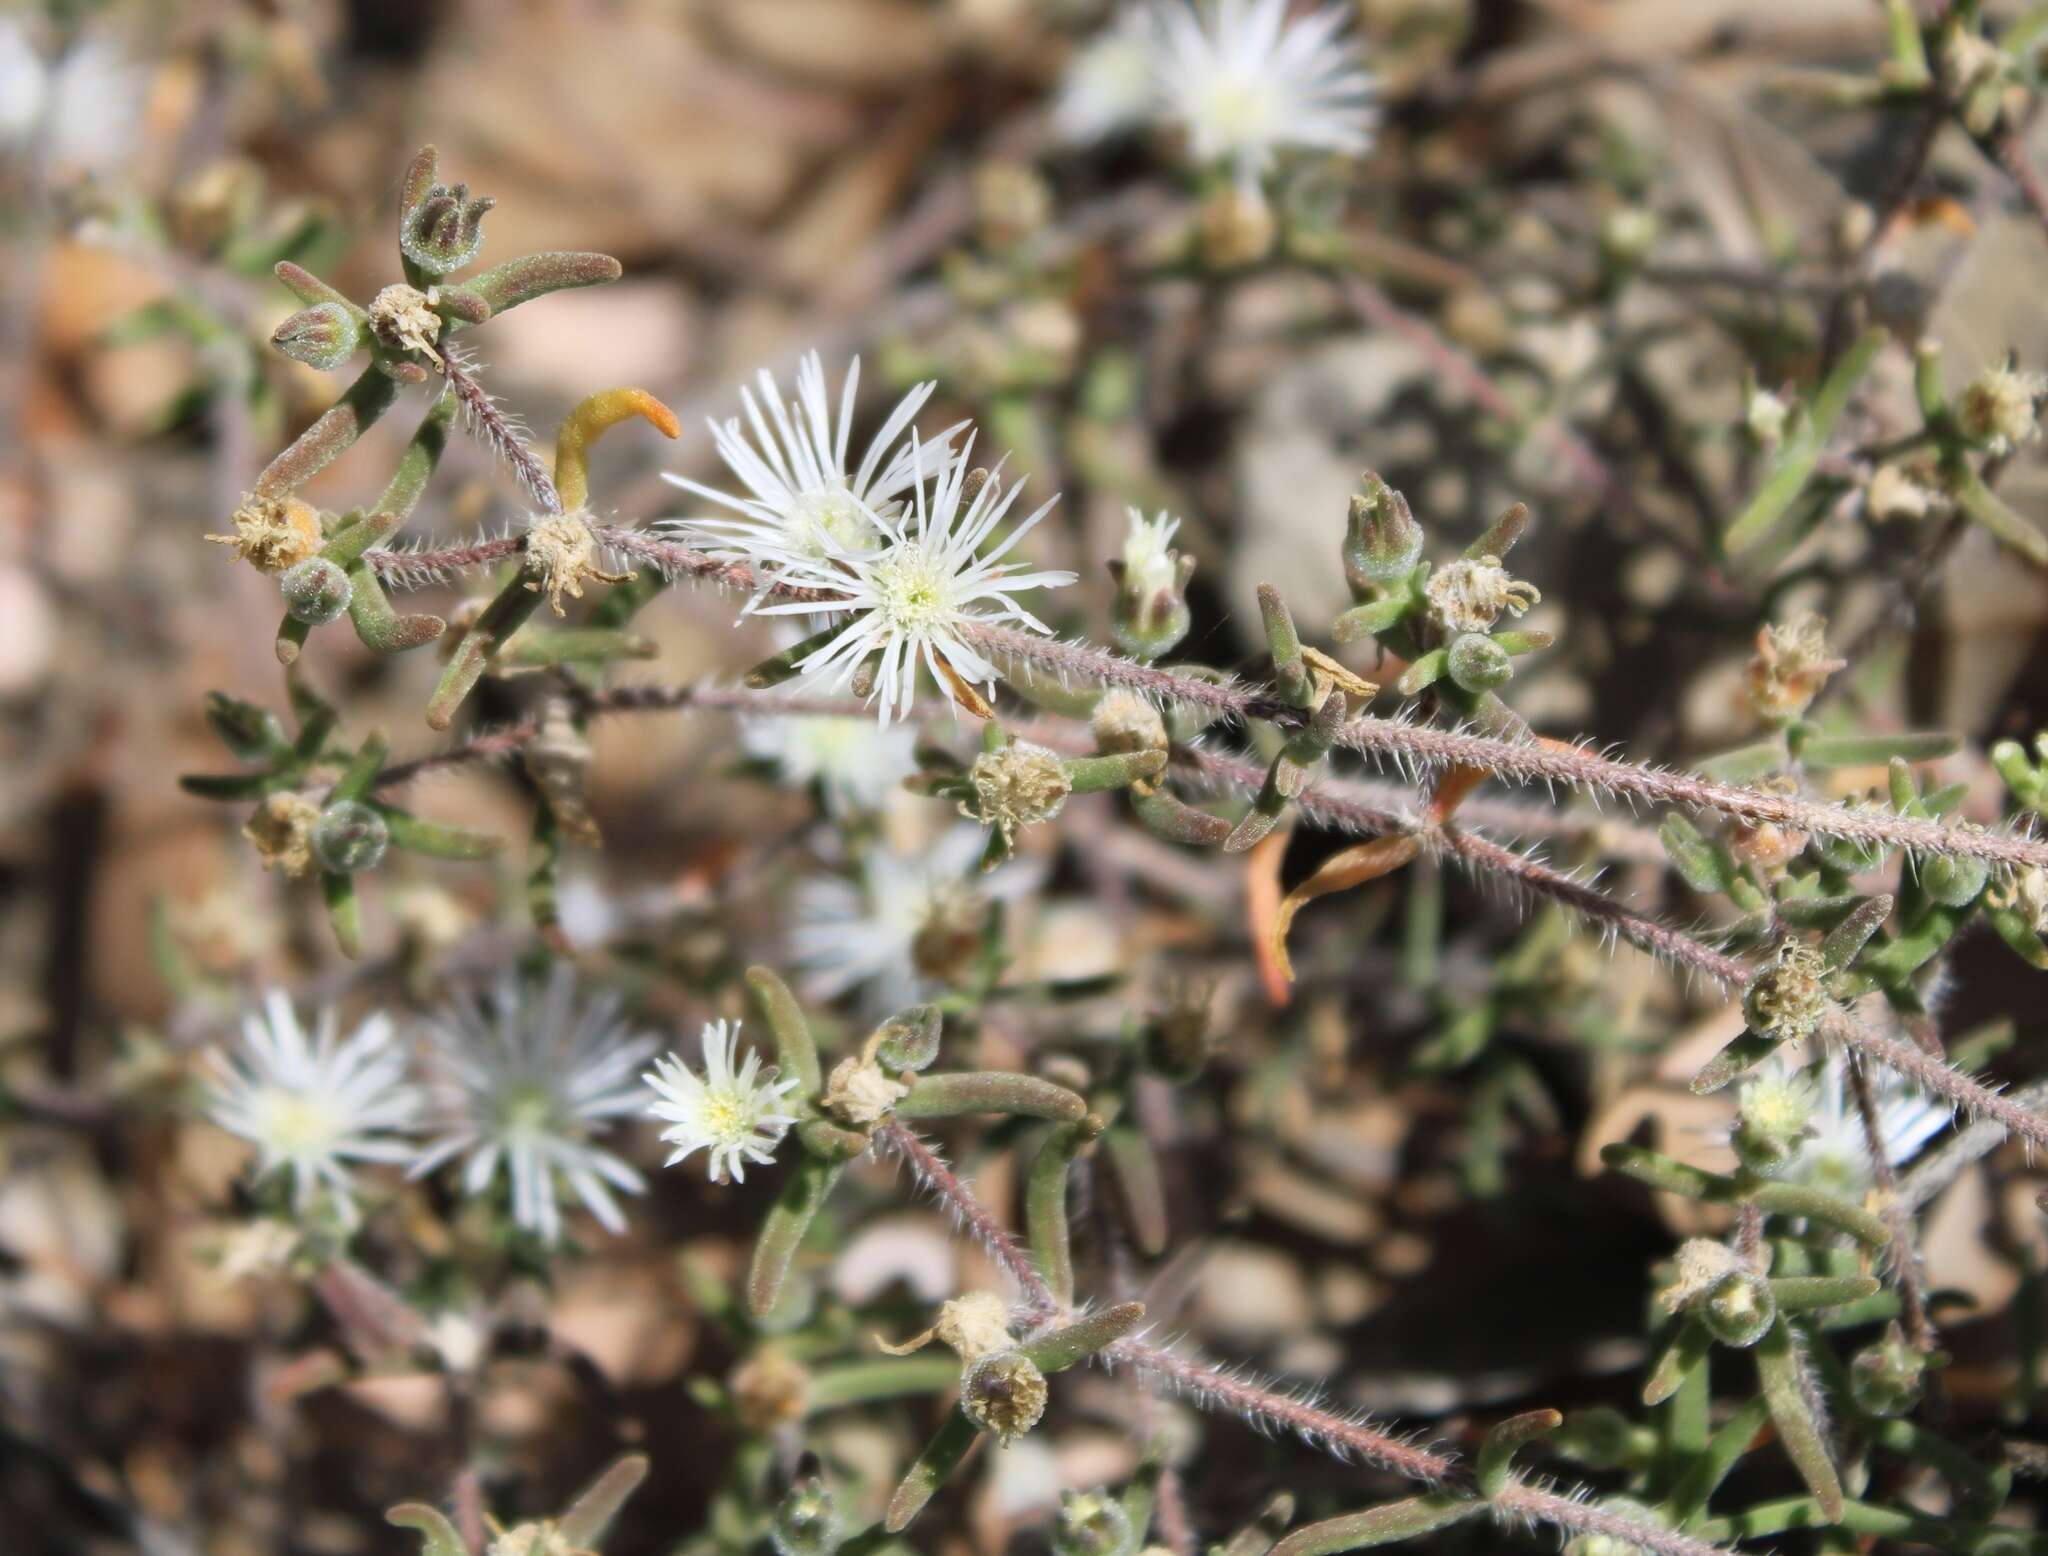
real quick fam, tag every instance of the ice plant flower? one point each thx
(801, 500)
(855, 762)
(914, 599)
(310, 1107)
(526, 1084)
(734, 1116)
(1836, 1154)
(1246, 81)
(912, 922)
(1109, 85)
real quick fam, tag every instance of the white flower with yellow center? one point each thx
(802, 501)
(1246, 81)
(915, 599)
(526, 1085)
(1109, 85)
(910, 923)
(311, 1107)
(855, 762)
(734, 1116)
(1836, 1154)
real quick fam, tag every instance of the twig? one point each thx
(1904, 1261)
(931, 1170)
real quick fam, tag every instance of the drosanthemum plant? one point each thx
(525, 1086)
(917, 599)
(1245, 81)
(854, 762)
(733, 1112)
(312, 1106)
(802, 501)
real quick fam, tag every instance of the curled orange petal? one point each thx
(588, 422)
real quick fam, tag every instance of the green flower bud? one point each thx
(1382, 541)
(322, 336)
(1477, 663)
(1151, 613)
(909, 1040)
(1004, 1393)
(1772, 1124)
(315, 590)
(1888, 1376)
(350, 836)
(807, 1521)
(1739, 1309)
(1090, 1523)
(445, 231)
(1784, 999)
(1951, 881)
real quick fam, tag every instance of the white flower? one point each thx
(1109, 85)
(1246, 81)
(1836, 1154)
(527, 1085)
(802, 502)
(733, 1116)
(1148, 556)
(908, 922)
(312, 1107)
(913, 598)
(855, 762)
(79, 110)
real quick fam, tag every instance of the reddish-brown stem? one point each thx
(1905, 1263)
(931, 1170)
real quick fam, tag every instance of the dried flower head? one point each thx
(1786, 997)
(1016, 786)
(1790, 667)
(861, 1093)
(2025, 892)
(561, 552)
(312, 1107)
(1700, 1266)
(403, 319)
(1468, 595)
(273, 533)
(973, 1325)
(525, 1085)
(733, 1115)
(1246, 80)
(2001, 408)
(281, 829)
(1769, 845)
(769, 1389)
(1896, 493)
(1003, 1392)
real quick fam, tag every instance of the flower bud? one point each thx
(1090, 1523)
(1765, 418)
(322, 336)
(1382, 541)
(1888, 1376)
(1004, 1393)
(1790, 667)
(1151, 613)
(909, 1040)
(1740, 1308)
(1016, 786)
(1784, 999)
(807, 1521)
(1477, 663)
(350, 836)
(1237, 228)
(315, 590)
(1628, 234)
(1952, 881)
(1772, 1122)
(445, 231)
